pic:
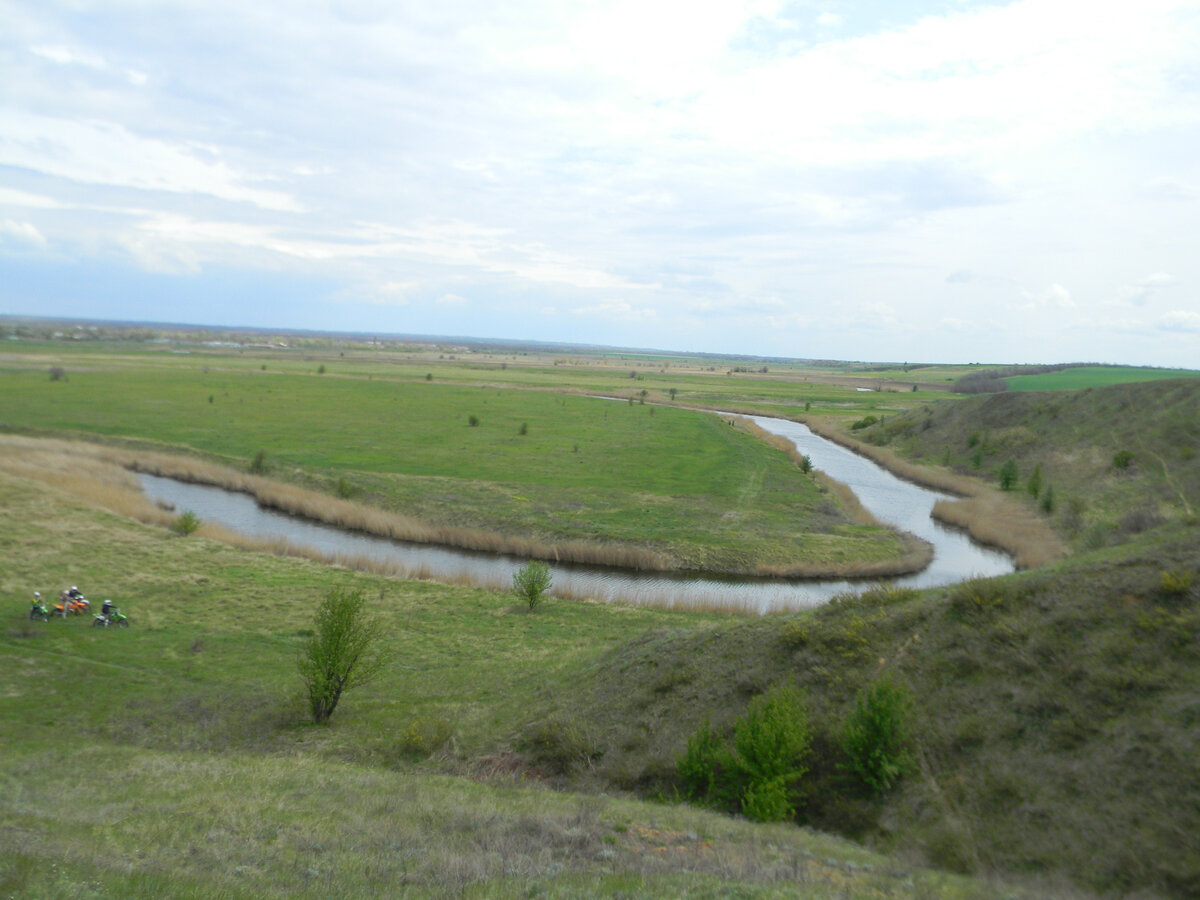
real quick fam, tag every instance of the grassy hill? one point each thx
(1056, 715)
(1116, 460)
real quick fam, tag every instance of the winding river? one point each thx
(899, 503)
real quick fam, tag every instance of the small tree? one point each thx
(340, 654)
(875, 737)
(1034, 486)
(185, 523)
(1008, 475)
(531, 581)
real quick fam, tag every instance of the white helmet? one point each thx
(37, 594)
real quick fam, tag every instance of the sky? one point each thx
(931, 181)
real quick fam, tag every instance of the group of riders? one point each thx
(71, 602)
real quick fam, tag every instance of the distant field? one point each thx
(542, 464)
(1093, 376)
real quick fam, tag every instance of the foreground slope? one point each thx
(172, 759)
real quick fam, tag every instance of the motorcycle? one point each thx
(38, 612)
(77, 606)
(112, 617)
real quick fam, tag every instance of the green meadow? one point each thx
(502, 752)
(503, 458)
(1093, 376)
(173, 758)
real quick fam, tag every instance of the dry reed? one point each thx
(988, 515)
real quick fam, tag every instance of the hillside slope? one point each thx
(1117, 460)
(1056, 714)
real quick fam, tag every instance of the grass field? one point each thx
(1094, 376)
(172, 758)
(550, 467)
(507, 753)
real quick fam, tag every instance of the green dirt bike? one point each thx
(113, 617)
(38, 612)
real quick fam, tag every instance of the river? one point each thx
(890, 499)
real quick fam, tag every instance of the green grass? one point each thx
(172, 758)
(1094, 376)
(675, 481)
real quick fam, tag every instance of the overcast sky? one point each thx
(940, 180)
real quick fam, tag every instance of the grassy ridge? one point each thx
(1120, 459)
(1093, 376)
(172, 759)
(547, 467)
(1055, 714)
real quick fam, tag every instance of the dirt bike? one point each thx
(78, 606)
(113, 617)
(39, 613)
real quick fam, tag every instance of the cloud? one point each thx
(617, 311)
(1055, 296)
(453, 300)
(1184, 320)
(22, 233)
(94, 152)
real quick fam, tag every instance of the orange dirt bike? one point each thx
(71, 606)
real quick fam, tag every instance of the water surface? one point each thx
(890, 499)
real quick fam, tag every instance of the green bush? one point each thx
(1122, 459)
(258, 465)
(341, 654)
(757, 773)
(186, 523)
(559, 745)
(531, 581)
(864, 422)
(424, 737)
(1008, 475)
(875, 737)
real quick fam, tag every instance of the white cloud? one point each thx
(453, 300)
(22, 233)
(64, 56)
(93, 152)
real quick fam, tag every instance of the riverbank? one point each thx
(992, 517)
(94, 471)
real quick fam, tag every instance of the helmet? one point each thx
(37, 594)
(74, 587)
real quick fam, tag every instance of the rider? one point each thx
(107, 608)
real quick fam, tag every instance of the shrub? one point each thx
(258, 465)
(1034, 485)
(340, 654)
(1008, 475)
(1176, 583)
(864, 422)
(559, 745)
(321, 369)
(875, 736)
(344, 488)
(57, 373)
(806, 464)
(757, 773)
(1122, 459)
(424, 737)
(1048, 500)
(473, 421)
(186, 523)
(524, 429)
(531, 581)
